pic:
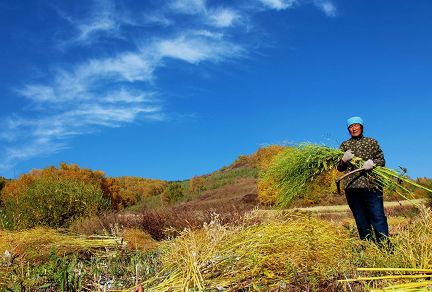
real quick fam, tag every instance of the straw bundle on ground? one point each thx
(39, 242)
(292, 171)
(298, 251)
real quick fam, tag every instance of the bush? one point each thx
(173, 193)
(197, 184)
(52, 197)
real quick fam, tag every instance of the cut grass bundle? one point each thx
(295, 169)
(300, 251)
(38, 243)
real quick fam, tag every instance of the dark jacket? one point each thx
(365, 148)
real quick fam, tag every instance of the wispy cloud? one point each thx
(223, 17)
(194, 49)
(103, 20)
(279, 4)
(327, 7)
(103, 92)
(118, 89)
(188, 6)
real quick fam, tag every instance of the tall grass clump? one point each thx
(295, 169)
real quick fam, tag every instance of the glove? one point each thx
(348, 155)
(368, 165)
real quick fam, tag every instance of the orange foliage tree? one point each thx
(137, 188)
(261, 159)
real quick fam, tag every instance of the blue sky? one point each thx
(173, 89)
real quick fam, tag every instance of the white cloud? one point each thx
(156, 19)
(104, 93)
(38, 93)
(223, 17)
(327, 7)
(207, 34)
(194, 49)
(188, 6)
(279, 4)
(103, 20)
(129, 66)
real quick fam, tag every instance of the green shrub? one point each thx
(173, 193)
(49, 200)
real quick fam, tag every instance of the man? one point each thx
(364, 195)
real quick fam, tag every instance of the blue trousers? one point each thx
(367, 207)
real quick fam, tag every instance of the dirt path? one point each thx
(344, 208)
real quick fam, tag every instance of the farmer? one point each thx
(363, 194)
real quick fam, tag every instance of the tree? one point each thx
(172, 193)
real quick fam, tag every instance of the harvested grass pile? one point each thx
(293, 251)
(407, 266)
(137, 239)
(293, 171)
(38, 243)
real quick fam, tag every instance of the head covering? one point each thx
(354, 120)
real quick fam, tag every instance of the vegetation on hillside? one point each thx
(57, 196)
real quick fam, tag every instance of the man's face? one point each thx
(355, 130)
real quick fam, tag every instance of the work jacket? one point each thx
(364, 148)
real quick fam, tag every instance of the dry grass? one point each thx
(37, 244)
(296, 251)
(136, 239)
(264, 251)
(161, 223)
(407, 260)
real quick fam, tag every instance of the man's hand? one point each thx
(368, 165)
(348, 155)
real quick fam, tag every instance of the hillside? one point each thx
(237, 184)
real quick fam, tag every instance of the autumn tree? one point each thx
(197, 184)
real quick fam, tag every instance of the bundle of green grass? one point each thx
(294, 170)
